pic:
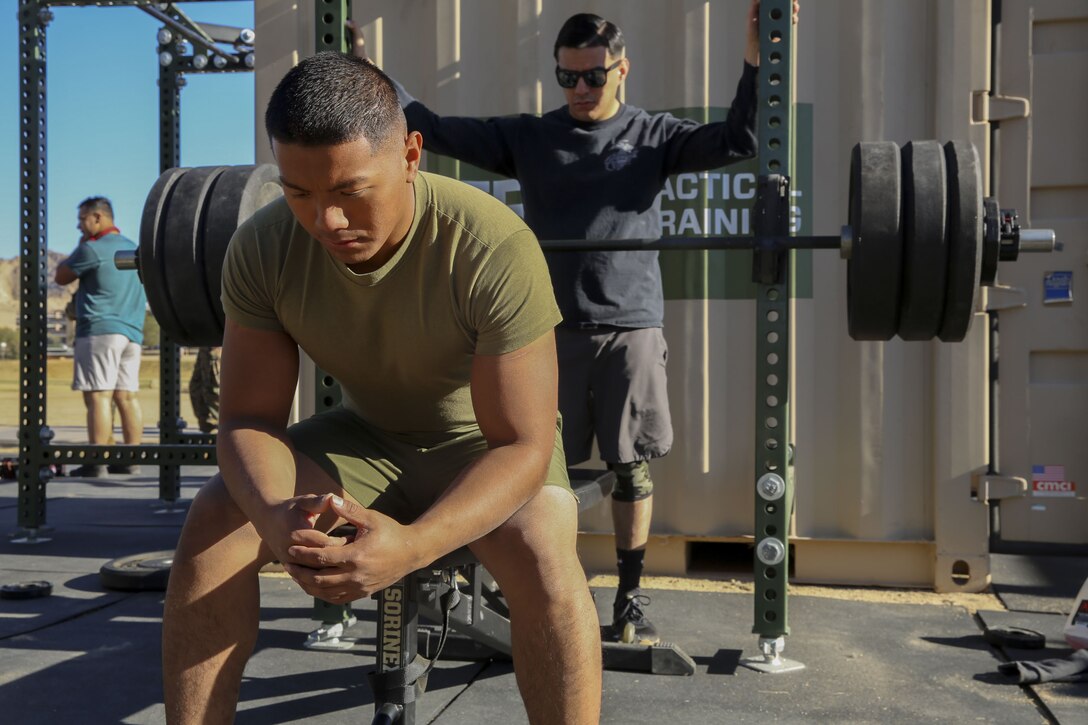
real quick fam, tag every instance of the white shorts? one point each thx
(106, 362)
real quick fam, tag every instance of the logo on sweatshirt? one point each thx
(622, 155)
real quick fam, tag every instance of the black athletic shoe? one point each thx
(129, 470)
(629, 623)
(88, 471)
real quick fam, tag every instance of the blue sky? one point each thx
(102, 114)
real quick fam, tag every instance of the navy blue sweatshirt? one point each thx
(595, 181)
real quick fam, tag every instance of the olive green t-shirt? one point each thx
(468, 279)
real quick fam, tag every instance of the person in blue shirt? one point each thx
(110, 309)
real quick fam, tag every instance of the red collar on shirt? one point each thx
(104, 232)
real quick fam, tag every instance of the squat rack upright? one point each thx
(184, 47)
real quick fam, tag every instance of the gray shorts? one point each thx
(398, 474)
(106, 362)
(612, 385)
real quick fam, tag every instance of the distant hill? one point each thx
(9, 289)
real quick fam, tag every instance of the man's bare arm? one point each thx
(515, 397)
(258, 373)
(64, 274)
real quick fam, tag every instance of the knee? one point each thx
(535, 552)
(213, 513)
(633, 482)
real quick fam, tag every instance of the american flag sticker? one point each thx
(1050, 481)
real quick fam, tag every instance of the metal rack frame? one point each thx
(37, 452)
(772, 271)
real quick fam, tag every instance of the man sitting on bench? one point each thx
(430, 302)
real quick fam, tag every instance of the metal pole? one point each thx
(397, 644)
(773, 273)
(33, 432)
(170, 422)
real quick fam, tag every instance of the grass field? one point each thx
(64, 406)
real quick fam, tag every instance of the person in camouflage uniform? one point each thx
(204, 389)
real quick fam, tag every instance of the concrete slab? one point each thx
(1038, 583)
(89, 655)
(865, 663)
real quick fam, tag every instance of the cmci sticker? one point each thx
(1050, 481)
(1054, 488)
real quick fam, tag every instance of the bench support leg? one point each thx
(397, 619)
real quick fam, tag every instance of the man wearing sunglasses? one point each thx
(594, 169)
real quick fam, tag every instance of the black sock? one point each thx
(629, 563)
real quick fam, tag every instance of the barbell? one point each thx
(920, 241)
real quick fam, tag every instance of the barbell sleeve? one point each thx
(125, 259)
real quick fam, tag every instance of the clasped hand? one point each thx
(340, 569)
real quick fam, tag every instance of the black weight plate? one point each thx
(152, 262)
(26, 590)
(138, 573)
(1018, 637)
(964, 238)
(874, 271)
(238, 193)
(925, 249)
(184, 257)
(991, 241)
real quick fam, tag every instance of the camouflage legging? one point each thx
(204, 389)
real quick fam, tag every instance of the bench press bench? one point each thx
(475, 610)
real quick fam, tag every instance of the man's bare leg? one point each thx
(211, 616)
(99, 416)
(631, 522)
(132, 420)
(554, 624)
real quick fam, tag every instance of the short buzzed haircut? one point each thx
(586, 30)
(333, 98)
(98, 204)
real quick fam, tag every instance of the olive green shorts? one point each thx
(399, 474)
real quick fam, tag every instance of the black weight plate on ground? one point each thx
(26, 590)
(184, 256)
(964, 238)
(925, 248)
(1018, 637)
(138, 573)
(238, 193)
(152, 259)
(874, 271)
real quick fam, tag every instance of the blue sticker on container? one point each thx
(1057, 287)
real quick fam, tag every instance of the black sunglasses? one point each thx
(594, 77)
